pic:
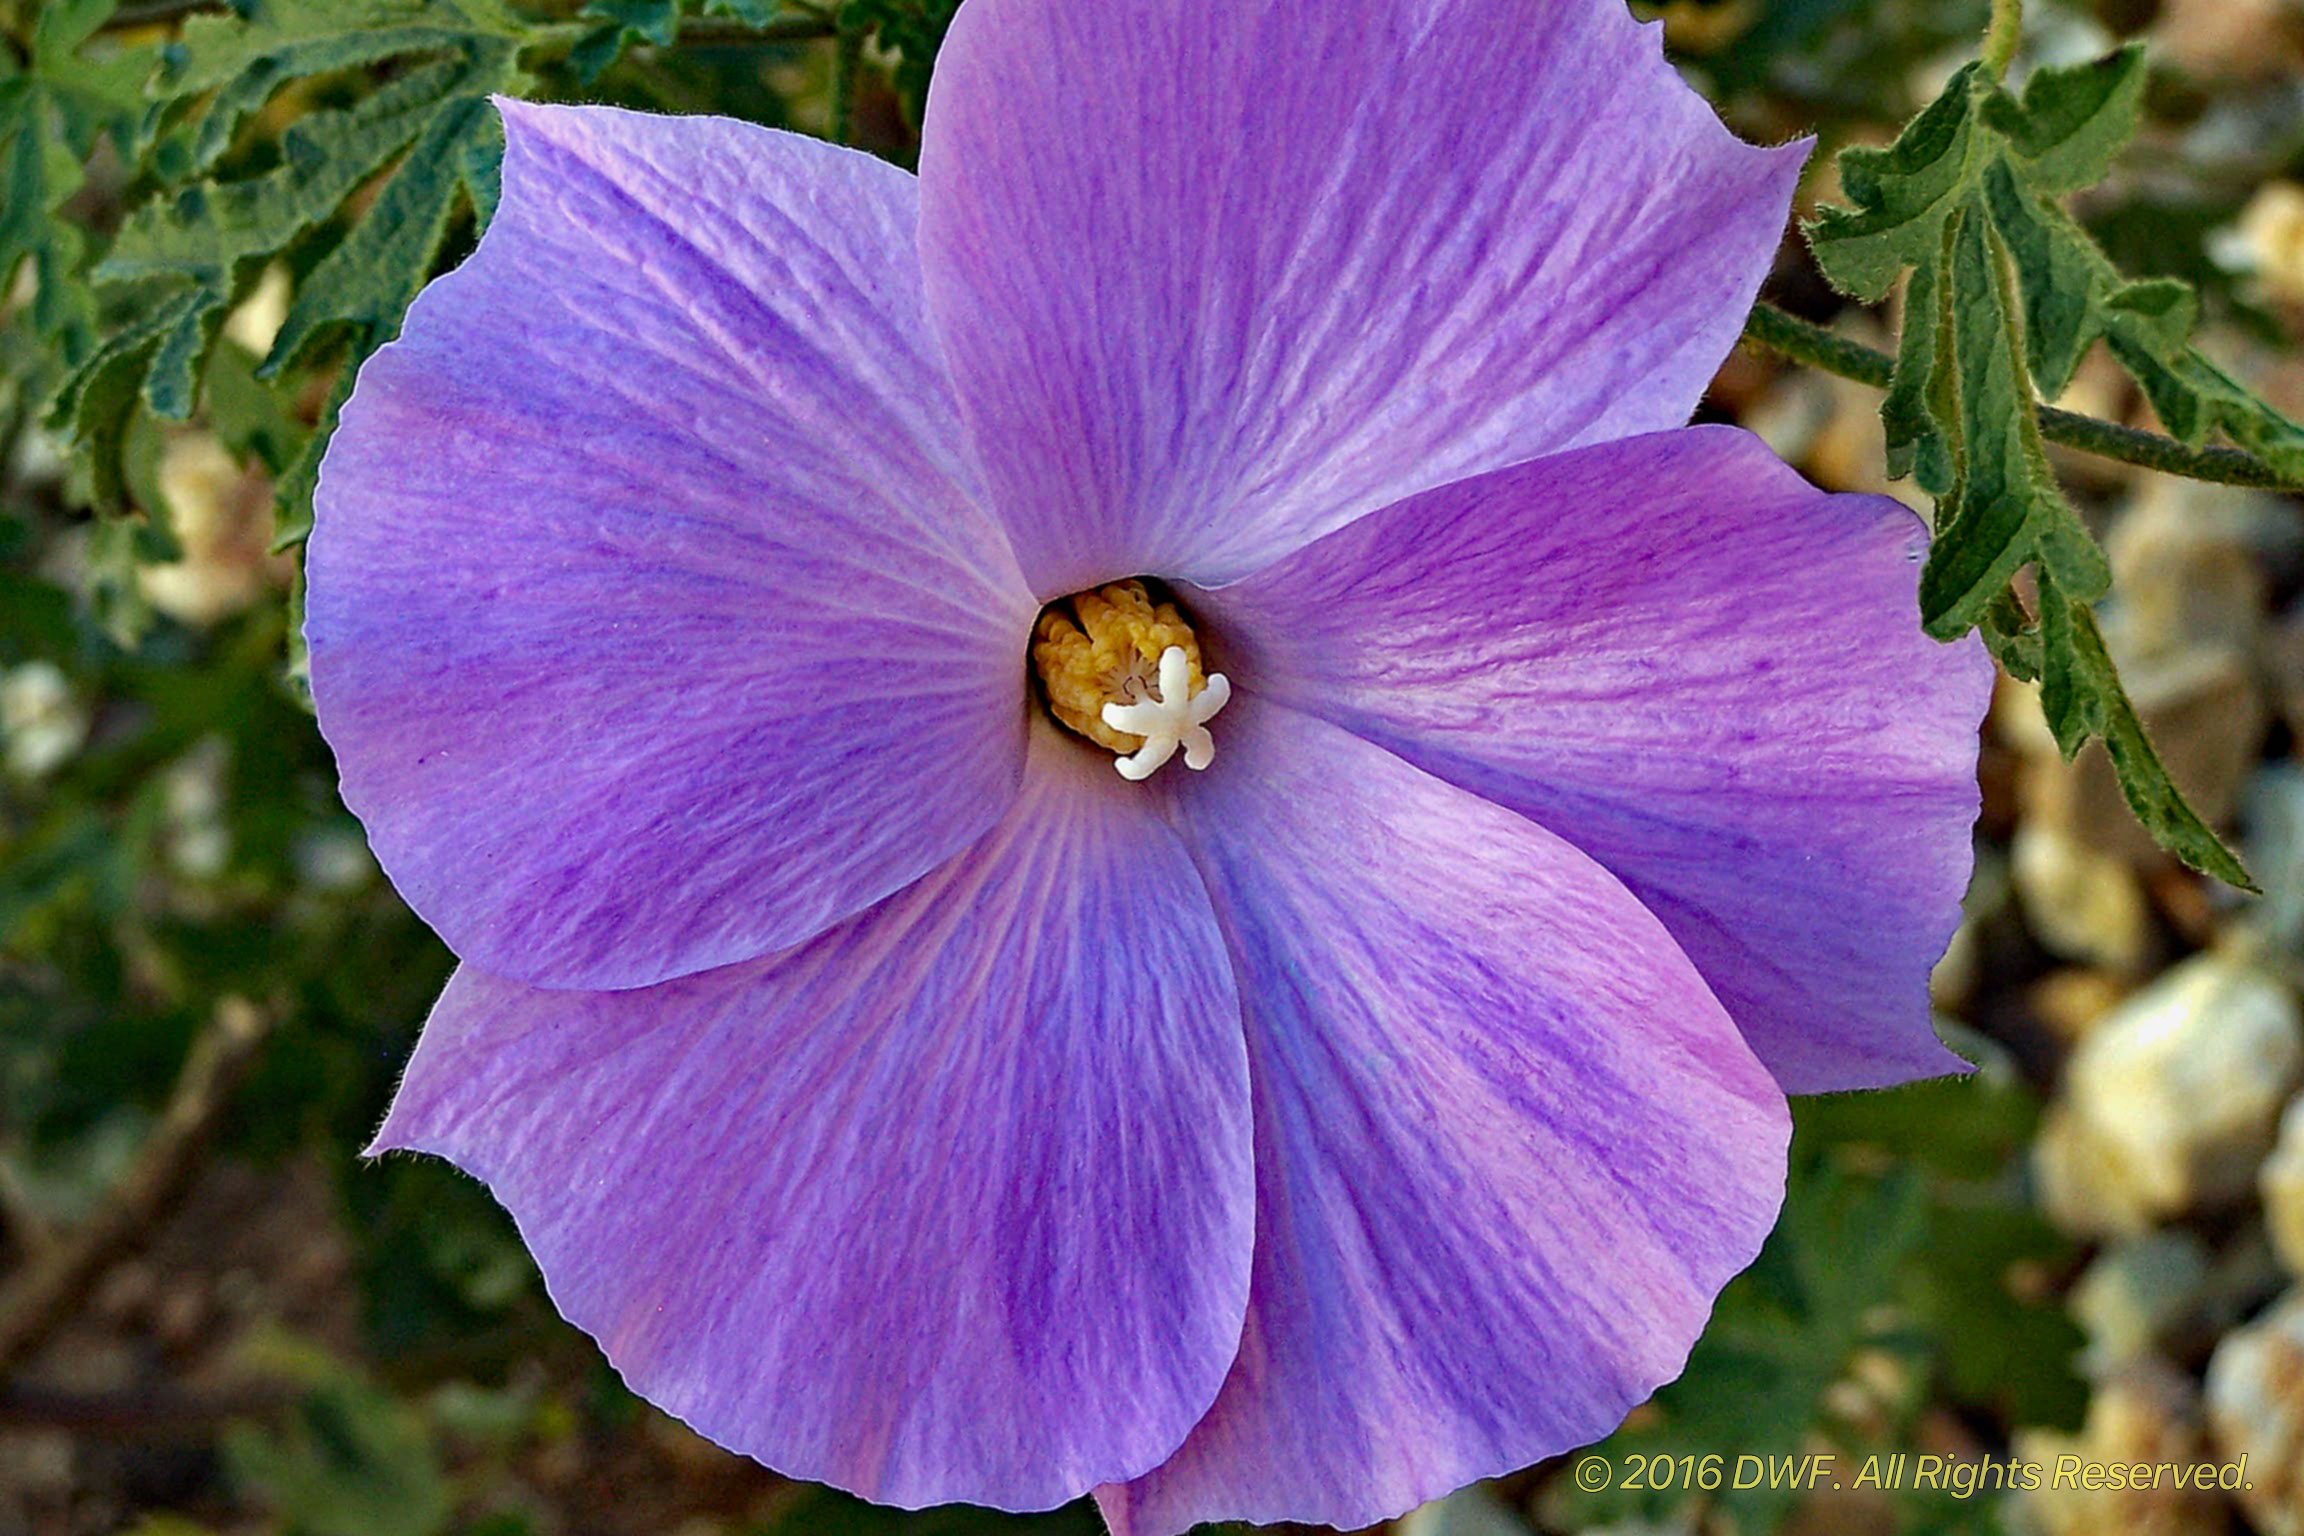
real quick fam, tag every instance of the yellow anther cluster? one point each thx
(1103, 647)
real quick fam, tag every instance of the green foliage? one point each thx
(911, 29)
(1781, 1335)
(1841, 58)
(351, 1460)
(622, 24)
(53, 111)
(419, 148)
(2007, 294)
(350, 145)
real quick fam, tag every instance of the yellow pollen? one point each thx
(1106, 650)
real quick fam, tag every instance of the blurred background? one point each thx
(214, 1317)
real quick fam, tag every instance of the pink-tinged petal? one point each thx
(1703, 672)
(1508, 1147)
(953, 1202)
(1201, 308)
(653, 616)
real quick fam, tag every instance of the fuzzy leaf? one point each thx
(1915, 446)
(1903, 196)
(425, 141)
(52, 114)
(2073, 121)
(292, 492)
(2006, 511)
(369, 279)
(2007, 296)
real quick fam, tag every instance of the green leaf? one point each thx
(369, 279)
(1904, 195)
(2013, 638)
(913, 30)
(211, 230)
(281, 40)
(247, 414)
(2013, 1355)
(424, 142)
(2193, 397)
(98, 404)
(2081, 695)
(623, 23)
(2007, 295)
(2006, 510)
(292, 492)
(2073, 121)
(1915, 445)
(52, 116)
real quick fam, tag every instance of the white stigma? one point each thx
(1178, 718)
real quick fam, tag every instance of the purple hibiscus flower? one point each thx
(729, 596)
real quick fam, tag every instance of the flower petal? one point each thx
(1508, 1147)
(1703, 672)
(953, 1202)
(653, 618)
(1204, 309)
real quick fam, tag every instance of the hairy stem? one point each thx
(1789, 336)
(2002, 34)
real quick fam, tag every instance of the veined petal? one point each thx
(1201, 309)
(1508, 1147)
(953, 1202)
(1702, 671)
(653, 616)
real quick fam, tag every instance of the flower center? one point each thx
(1123, 670)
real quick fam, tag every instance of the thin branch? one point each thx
(726, 32)
(21, 1218)
(43, 1294)
(1789, 336)
(156, 1412)
(2001, 36)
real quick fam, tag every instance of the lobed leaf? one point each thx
(2072, 122)
(424, 143)
(52, 114)
(2006, 510)
(1904, 195)
(2007, 295)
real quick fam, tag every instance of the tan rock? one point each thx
(2186, 568)
(2281, 1182)
(2256, 1407)
(2080, 902)
(2146, 1414)
(2227, 39)
(2070, 1001)
(2170, 1103)
(2139, 1297)
(221, 515)
(42, 723)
